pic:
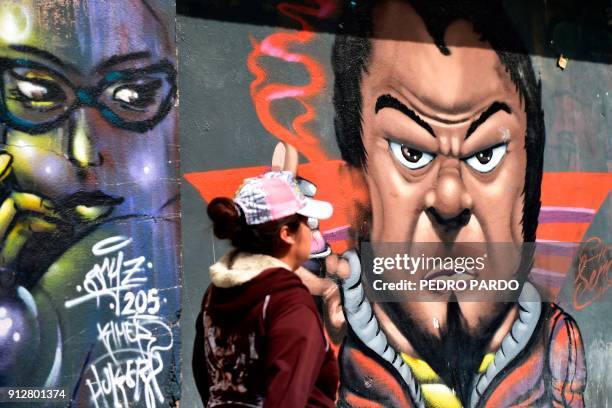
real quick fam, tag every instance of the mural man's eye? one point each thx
(486, 160)
(138, 96)
(410, 157)
(485, 156)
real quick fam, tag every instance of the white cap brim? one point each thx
(318, 209)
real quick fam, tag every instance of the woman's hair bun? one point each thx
(225, 217)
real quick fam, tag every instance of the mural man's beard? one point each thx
(457, 353)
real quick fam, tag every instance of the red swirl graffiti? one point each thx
(264, 93)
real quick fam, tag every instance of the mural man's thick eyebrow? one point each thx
(387, 101)
(495, 107)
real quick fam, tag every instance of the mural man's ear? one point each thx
(285, 158)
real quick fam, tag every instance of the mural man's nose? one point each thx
(451, 204)
(83, 151)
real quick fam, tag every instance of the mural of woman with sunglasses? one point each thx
(88, 213)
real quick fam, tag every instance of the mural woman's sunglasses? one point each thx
(36, 99)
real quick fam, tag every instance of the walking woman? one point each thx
(259, 338)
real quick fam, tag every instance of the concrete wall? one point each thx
(228, 131)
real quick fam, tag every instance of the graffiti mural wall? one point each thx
(422, 122)
(90, 272)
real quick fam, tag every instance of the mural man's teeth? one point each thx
(91, 213)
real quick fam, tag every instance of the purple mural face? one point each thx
(88, 93)
(89, 283)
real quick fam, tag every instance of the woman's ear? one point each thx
(286, 235)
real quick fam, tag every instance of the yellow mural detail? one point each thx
(16, 23)
(436, 393)
(420, 369)
(486, 361)
(439, 396)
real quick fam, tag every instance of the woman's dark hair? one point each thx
(230, 223)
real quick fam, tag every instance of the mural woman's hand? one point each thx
(327, 288)
(285, 158)
(21, 215)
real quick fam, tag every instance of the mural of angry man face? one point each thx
(444, 126)
(439, 105)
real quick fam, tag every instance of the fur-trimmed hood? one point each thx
(242, 281)
(244, 267)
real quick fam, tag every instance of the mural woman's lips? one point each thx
(87, 206)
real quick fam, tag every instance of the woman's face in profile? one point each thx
(303, 241)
